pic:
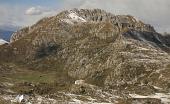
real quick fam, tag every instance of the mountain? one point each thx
(87, 56)
(6, 34)
(7, 30)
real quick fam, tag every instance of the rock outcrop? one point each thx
(85, 15)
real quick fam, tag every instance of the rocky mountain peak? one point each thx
(98, 15)
(86, 16)
(90, 53)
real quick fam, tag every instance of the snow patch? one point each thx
(76, 18)
(79, 82)
(73, 17)
(2, 42)
(19, 98)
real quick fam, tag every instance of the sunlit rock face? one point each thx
(91, 16)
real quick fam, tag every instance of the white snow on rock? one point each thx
(164, 97)
(73, 17)
(79, 82)
(19, 98)
(76, 18)
(26, 99)
(2, 42)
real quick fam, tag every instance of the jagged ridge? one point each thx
(96, 16)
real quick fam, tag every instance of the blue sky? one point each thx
(27, 12)
(14, 11)
(53, 3)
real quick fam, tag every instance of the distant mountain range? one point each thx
(6, 31)
(5, 34)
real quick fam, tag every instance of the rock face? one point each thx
(109, 51)
(85, 15)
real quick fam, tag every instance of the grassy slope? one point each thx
(29, 81)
